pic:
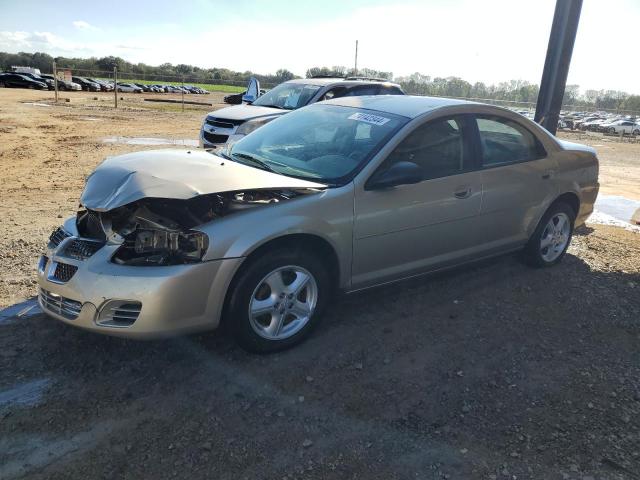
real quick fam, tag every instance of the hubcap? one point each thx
(555, 237)
(283, 302)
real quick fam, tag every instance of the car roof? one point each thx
(404, 105)
(329, 81)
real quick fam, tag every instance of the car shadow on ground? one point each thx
(491, 368)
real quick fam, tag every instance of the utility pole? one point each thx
(55, 80)
(556, 65)
(115, 84)
(355, 68)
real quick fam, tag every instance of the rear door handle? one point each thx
(462, 192)
(547, 175)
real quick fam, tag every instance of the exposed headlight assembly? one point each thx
(162, 247)
(249, 126)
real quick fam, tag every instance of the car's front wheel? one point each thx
(612, 131)
(277, 300)
(636, 132)
(549, 242)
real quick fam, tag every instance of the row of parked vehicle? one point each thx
(603, 122)
(606, 123)
(39, 81)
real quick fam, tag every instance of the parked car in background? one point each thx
(104, 85)
(86, 84)
(592, 125)
(18, 80)
(144, 87)
(63, 84)
(341, 195)
(38, 78)
(621, 126)
(129, 87)
(232, 123)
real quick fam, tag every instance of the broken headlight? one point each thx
(162, 247)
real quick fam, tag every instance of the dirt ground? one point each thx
(493, 372)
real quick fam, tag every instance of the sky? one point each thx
(479, 40)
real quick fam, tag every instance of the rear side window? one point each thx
(437, 147)
(364, 90)
(390, 90)
(504, 141)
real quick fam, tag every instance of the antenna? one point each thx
(355, 69)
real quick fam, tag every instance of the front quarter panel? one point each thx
(327, 214)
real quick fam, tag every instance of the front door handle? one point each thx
(462, 192)
(547, 175)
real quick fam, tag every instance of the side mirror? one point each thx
(400, 173)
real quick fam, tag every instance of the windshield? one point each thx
(288, 96)
(326, 143)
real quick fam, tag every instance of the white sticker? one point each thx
(368, 118)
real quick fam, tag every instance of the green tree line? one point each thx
(417, 83)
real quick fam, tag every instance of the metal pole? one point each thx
(556, 65)
(355, 68)
(115, 84)
(182, 90)
(55, 80)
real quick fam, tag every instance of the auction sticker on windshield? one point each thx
(368, 118)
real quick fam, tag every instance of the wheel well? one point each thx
(570, 199)
(297, 241)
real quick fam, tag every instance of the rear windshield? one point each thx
(288, 96)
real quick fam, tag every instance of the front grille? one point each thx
(223, 122)
(81, 249)
(57, 236)
(213, 138)
(119, 313)
(64, 272)
(69, 309)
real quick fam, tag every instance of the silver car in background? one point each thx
(338, 196)
(230, 124)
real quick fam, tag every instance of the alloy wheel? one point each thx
(555, 237)
(283, 302)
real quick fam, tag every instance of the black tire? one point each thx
(533, 251)
(236, 316)
(2, 85)
(636, 132)
(612, 131)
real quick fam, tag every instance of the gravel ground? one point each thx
(497, 371)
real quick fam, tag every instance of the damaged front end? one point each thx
(161, 231)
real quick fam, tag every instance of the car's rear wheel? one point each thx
(636, 132)
(612, 130)
(277, 300)
(549, 242)
(2, 85)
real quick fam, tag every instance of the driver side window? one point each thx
(437, 147)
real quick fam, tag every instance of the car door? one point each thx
(409, 229)
(517, 180)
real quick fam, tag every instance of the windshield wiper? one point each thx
(261, 164)
(280, 107)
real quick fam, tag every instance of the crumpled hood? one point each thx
(246, 112)
(179, 174)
